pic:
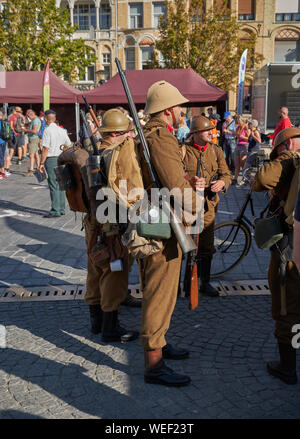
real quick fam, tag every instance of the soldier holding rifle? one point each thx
(216, 178)
(160, 272)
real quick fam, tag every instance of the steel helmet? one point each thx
(286, 134)
(201, 123)
(162, 95)
(114, 120)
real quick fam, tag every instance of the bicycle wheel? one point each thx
(232, 241)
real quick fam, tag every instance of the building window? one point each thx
(288, 17)
(85, 16)
(105, 16)
(106, 62)
(287, 10)
(135, 15)
(286, 51)
(88, 75)
(130, 58)
(159, 9)
(146, 56)
(246, 10)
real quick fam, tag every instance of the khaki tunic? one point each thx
(160, 272)
(109, 289)
(277, 175)
(212, 162)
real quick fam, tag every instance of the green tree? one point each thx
(33, 31)
(207, 41)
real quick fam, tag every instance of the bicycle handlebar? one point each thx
(245, 176)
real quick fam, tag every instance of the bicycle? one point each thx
(232, 239)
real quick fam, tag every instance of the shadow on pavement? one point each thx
(16, 272)
(85, 373)
(61, 247)
(10, 205)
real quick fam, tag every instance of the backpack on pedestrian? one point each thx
(5, 132)
(41, 131)
(19, 123)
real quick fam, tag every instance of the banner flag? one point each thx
(46, 88)
(242, 71)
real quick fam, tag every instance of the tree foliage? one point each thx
(33, 31)
(207, 41)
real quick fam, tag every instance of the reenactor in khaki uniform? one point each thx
(160, 272)
(106, 289)
(215, 178)
(276, 176)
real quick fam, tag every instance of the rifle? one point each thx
(191, 286)
(186, 243)
(87, 129)
(91, 111)
(95, 166)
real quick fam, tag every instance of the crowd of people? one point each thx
(21, 137)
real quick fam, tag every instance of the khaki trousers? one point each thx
(104, 287)
(159, 278)
(283, 324)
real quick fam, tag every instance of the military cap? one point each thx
(284, 135)
(201, 123)
(115, 120)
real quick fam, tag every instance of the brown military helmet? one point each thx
(284, 135)
(162, 95)
(201, 123)
(115, 121)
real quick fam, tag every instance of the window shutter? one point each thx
(284, 6)
(246, 7)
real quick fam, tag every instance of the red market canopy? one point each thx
(26, 87)
(191, 85)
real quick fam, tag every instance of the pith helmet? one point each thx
(162, 95)
(286, 134)
(114, 120)
(201, 123)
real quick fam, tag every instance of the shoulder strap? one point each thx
(183, 151)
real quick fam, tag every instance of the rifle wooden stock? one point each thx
(194, 284)
(185, 241)
(91, 111)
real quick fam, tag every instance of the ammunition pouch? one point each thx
(104, 249)
(64, 177)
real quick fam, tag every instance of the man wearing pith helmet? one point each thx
(281, 177)
(160, 272)
(215, 178)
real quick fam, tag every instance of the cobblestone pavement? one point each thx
(52, 367)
